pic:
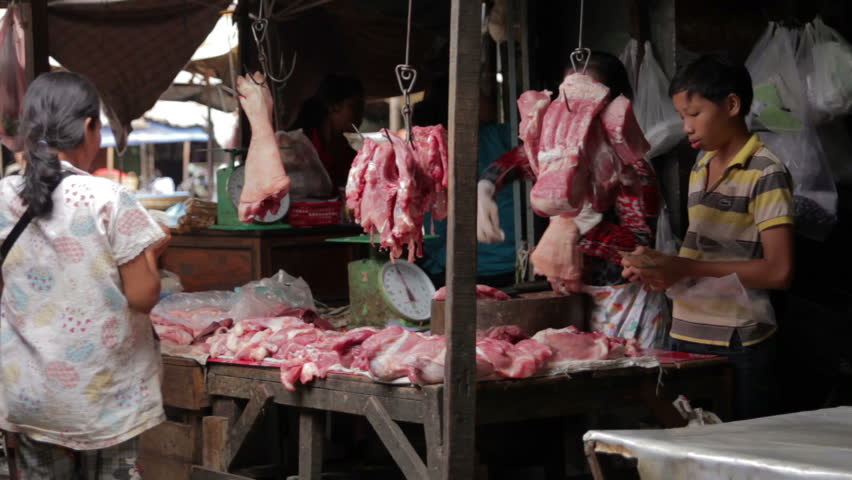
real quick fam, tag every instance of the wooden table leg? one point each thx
(310, 444)
(592, 458)
(433, 426)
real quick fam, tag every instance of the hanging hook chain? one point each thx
(406, 76)
(580, 55)
(259, 30)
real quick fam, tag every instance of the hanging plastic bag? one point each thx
(825, 60)
(654, 110)
(629, 57)
(308, 176)
(780, 113)
(666, 241)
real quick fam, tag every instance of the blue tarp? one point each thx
(155, 133)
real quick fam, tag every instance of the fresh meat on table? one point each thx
(570, 344)
(173, 334)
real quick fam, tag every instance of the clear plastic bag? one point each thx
(654, 110)
(749, 303)
(308, 176)
(781, 115)
(271, 296)
(666, 241)
(198, 312)
(717, 294)
(825, 60)
(629, 57)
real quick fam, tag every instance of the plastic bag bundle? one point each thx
(654, 110)
(825, 60)
(308, 176)
(781, 115)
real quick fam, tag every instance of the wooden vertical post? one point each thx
(185, 171)
(460, 374)
(110, 158)
(34, 17)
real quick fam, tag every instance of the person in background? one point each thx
(740, 209)
(337, 105)
(495, 262)
(619, 308)
(79, 361)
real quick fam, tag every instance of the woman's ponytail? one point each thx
(55, 111)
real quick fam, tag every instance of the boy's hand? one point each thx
(659, 271)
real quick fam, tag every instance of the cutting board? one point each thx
(530, 311)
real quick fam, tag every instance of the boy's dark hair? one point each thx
(56, 107)
(714, 77)
(609, 71)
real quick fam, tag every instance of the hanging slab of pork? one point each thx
(532, 106)
(623, 130)
(266, 182)
(563, 181)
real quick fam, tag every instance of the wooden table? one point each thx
(223, 259)
(384, 405)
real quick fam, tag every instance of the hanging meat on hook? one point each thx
(266, 182)
(12, 76)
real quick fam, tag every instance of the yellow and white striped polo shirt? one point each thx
(725, 220)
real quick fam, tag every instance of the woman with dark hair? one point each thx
(335, 107)
(620, 308)
(81, 367)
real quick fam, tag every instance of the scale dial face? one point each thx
(407, 289)
(236, 181)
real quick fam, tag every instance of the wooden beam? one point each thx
(460, 375)
(395, 441)
(261, 397)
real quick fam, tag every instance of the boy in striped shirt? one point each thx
(740, 222)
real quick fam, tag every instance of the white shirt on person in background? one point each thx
(79, 368)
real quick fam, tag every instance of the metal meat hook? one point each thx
(259, 30)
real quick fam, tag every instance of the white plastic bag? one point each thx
(654, 110)
(781, 115)
(308, 176)
(666, 241)
(629, 57)
(825, 59)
